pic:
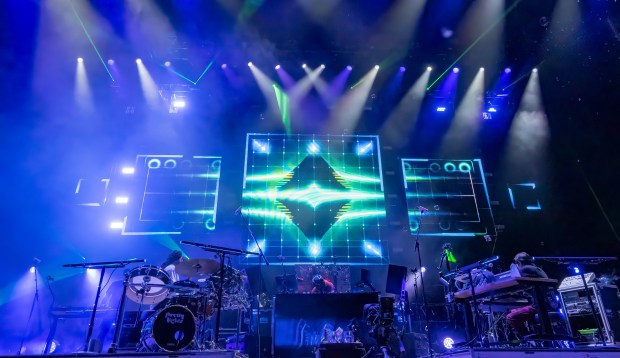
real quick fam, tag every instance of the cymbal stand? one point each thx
(222, 251)
(99, 266)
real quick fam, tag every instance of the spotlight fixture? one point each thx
(178, 103)
(277, 67)
(376, 67)
(507, 70)
(448, 343)
(455, 70)
(116, 225)
(402, 69)
(350, 68)
(429, 68)
(535, 70)
(304, 65)
(110, 62)
(167, 64)
(80, 60)
(423, 269)
(481, 68)
(138, 61)
(322, 66)
(224, 66)
(250, 64)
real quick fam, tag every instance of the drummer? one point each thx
(174, 258)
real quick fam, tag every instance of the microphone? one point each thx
(238, 211)
(422, 209)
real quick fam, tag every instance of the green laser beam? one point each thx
(482, 35)
(283, 100)
(183, 77)
(90, 39)
(203, 72)
(521, 77)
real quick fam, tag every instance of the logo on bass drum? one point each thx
(174, 318)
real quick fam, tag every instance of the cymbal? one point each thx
(197, 267)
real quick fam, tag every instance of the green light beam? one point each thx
(283, 100)
(482, 35)
(203, 72)
(183, 77)
(521, 77)
(91, 41)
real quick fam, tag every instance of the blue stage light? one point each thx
(349, 68)
(455, 70)
(441, 109)
(448, 343)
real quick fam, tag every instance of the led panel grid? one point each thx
(315, 198)
(172, 191)
(455, 194)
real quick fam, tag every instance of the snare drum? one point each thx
(170, 329)
(148, 285)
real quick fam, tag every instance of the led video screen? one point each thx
(171, 193)
(447, 197)
(315, 198)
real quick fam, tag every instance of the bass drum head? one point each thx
(171, 329)
(147, 285)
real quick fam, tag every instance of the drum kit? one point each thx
(183, 309)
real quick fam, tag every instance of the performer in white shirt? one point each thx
(175, 257)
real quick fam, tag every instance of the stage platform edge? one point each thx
(205, 354)
(613, 351)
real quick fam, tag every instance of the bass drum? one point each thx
(171, 329)
(148, 285)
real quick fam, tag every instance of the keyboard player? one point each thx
(518, 317)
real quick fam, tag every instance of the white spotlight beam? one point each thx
(461, 138)
(397, 127)
(349, 108)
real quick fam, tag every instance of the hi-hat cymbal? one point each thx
(197, 267)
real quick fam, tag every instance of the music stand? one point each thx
(582, 261)
(103, 266)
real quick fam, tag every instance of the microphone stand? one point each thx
(260, 276)
(100, 266)
(35, 301)
(417, 248)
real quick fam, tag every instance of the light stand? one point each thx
(35, 301)
(417, 248)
